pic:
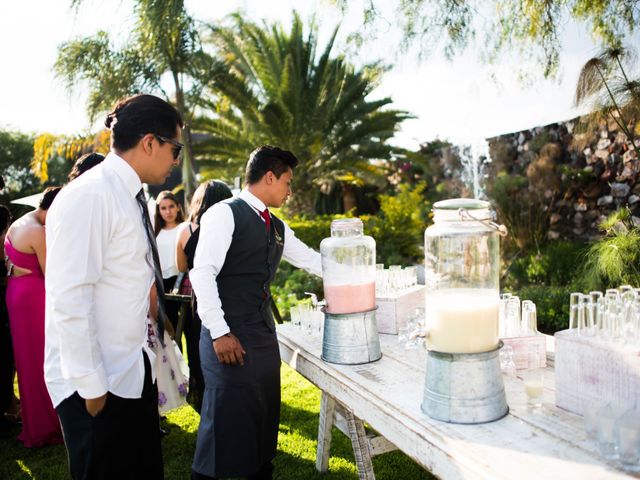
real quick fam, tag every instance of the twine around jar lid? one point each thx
(467, 209)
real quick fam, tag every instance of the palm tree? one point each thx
(164, 40)
(277, 90)
(604, 81)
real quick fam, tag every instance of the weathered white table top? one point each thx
(545, 443)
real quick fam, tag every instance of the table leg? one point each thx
(327, 413)
(360, 445)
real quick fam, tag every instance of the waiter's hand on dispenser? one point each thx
(229, 350)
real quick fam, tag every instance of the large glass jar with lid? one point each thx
(348, 268)
(462, 265)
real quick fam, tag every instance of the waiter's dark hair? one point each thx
(48, 197)
(268, 159)
(136, 116)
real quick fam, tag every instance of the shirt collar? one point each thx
(126, 173)
(252, 200)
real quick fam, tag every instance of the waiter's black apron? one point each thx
(240, 415)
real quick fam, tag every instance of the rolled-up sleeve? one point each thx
(76, 242)
(216, 233)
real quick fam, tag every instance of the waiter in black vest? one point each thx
(241, 244)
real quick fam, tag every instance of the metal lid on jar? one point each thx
(455, 210)
(346, 227)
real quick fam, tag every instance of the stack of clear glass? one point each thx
(613, 316)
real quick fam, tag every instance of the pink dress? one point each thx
(25, 304)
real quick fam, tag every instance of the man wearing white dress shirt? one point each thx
(100, 270)
(241, 244)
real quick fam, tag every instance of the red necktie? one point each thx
(267, 218)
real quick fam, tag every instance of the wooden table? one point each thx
(545, 443)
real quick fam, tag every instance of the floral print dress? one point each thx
(172, 372)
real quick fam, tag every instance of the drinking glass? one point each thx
(596, 314)
(305, 316)
(574, 307)
(507, 364)
(295, 316)
(534, 378)
(590, 417)
(627, 433)
(605, 431)
(585, 321)
(513, 316)
(529, 318)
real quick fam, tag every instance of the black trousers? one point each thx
(121, 442)
(265, 473)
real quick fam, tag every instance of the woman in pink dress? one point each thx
(25, 250)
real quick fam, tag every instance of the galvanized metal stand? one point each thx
(365, 444)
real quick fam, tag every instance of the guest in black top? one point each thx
(206, 195)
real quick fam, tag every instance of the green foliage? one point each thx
(312, 230)
(399, 227)
(522, 209)
(163, 43)
(283, 88)
(552, 305)
(16, 151)
(614, 260)
(604, 82)
(289, 287)
(532, 28)
(556, 264)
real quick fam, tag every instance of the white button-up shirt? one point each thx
(216, 231)
(97, 281)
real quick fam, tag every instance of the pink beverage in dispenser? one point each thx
(350, 298)
(348, 268)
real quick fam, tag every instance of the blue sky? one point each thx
(460, 100)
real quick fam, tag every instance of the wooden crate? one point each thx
(520, 347)
(589, 370)
(393, 312)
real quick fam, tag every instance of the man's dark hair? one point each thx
(267, 158)
(5, 218)
(1, 182)
(48, 197)
(136, 116)
(84, 163)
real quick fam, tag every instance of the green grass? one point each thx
(296, 446)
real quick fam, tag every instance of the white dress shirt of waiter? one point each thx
(210, 257)
(99, 275)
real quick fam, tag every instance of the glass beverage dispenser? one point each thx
(463, 381)
(462, 262)
(348, 273)
(348, 268)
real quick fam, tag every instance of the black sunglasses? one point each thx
(177, 146)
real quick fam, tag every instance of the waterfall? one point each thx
(474, 158)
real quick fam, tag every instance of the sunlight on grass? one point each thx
(297, 443)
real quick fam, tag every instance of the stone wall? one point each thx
(582, 171)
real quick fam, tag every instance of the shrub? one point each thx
(399, 227)
(614, 260)
(556, 264)
(552, 305)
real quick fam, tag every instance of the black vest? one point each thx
(244, 282)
